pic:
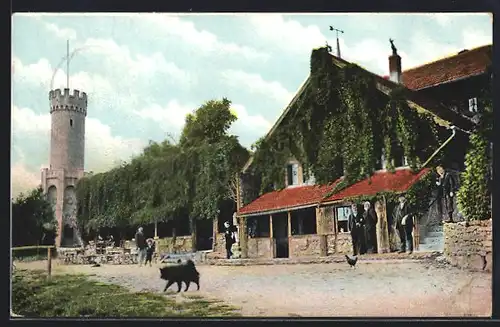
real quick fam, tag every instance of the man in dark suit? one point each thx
(357, 227)
(447, 189)
(404, 225)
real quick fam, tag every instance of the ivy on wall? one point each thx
(340, 126)
(188, 180)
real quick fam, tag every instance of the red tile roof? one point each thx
(287, 198)
(399, 181)
(294, 197)
(464, 64)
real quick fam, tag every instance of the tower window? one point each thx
(71, 122)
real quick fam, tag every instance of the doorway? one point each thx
(204, 237)
(68, 236)
(280, 234)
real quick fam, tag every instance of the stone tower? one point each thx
(67, 148)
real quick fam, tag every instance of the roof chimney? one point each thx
(394, 64)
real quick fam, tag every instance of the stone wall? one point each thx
(465, 245)
(304, 245)
(260, 247)
(183, 244)
(342, 246)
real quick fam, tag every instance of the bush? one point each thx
(473, 197)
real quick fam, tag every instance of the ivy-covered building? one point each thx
(350, 135)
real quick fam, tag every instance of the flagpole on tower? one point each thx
(67, 64)
(338, 43)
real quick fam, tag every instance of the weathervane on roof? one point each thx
(338, 43)
(393, 47)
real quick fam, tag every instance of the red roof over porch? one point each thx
(302, 196)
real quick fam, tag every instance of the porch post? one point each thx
(271, 226)
(243, 237)
(319, 222)
(271, 239)
(289, 224)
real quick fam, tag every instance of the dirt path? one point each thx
(378, 288)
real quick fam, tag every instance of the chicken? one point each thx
(351, 260)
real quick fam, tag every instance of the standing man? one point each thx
(447, 186)
(356, 225)
(229, 235)
(370, 228)
(404, 225)
(140, 242)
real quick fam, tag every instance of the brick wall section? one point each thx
(260, 247)
(304, 245)
(183, 244)
(464, 245)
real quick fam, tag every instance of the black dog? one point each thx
(186, 273)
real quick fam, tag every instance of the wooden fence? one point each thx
(50, 251)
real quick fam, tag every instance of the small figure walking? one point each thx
(140, 242)
(150, 250)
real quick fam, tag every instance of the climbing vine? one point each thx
(342, 125)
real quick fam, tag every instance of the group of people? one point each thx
(363, 226)
(145, 247)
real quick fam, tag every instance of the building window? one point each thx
(343, 219)
(303, 221)
(473, 105)
(258, 226)
(71, 122)
(293, 174)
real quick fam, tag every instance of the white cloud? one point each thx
(208, 42)
(475, 38)
(287, 33)
(22, 179)
(442, 19)
(172, 115)
(102, 149)
(247, 121)
(120, 60)
(254, 83)
(64, 33)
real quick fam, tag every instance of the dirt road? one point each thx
(378, 288)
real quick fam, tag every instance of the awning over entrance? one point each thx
(293, 198)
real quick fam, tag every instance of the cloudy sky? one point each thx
(144, 72)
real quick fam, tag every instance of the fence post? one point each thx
(49, 262)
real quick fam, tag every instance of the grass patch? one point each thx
(77, 296)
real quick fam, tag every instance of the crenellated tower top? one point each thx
(64, 101)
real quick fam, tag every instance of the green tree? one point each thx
(170, 180)
(33, 221)
(473, 197)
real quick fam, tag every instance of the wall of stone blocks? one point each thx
(260, 248)
(342, 245)
(465, 244)
(304, 246)
(183, 244)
